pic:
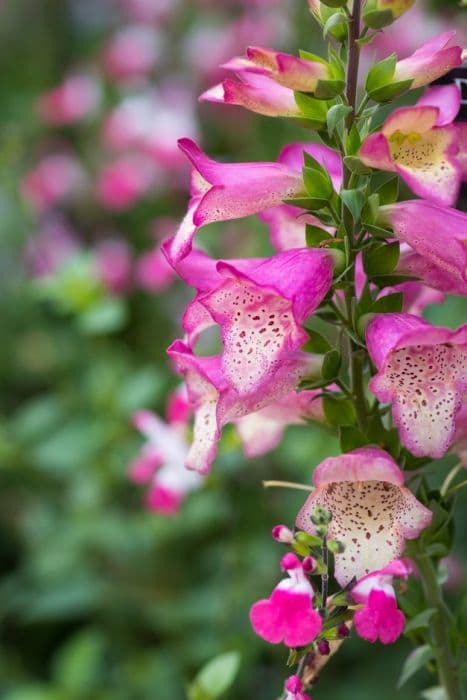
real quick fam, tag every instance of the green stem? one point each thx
(446, 664)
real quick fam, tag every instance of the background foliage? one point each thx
(99, 599)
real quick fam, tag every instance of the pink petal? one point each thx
(446, 98)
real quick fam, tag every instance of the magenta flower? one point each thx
(258, 93)
(161, 463)
(421, 143)
(122, 183)
(430, 61)
(422, 372)
(294, 688)
(286, 70)
(262, 431)
(132, 53)
(373, 513)
(439, 282)
(222, 191)
(75, 99)
(436, 233)
(215, 402)
(114, 265)
(380, 617)
(55, 178)
(287, 616)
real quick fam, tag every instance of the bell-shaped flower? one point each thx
(433, 279)
(215, 402)
(285, 69)
(75, 99)
(288, 616)
(223, 191)
(257, 93)
(373, 513)
(437, 234)
(421, 144)
(294, 689)
(380, 618)
(422, 372)
(262, 431)
(161, 464)
(430, 61)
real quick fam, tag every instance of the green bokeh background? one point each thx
(100, 600)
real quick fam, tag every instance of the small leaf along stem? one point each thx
(446, 662)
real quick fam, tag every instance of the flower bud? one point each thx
(321, 516)
(323, 647)
(309, 564)
(343, 631)
(281, 533)
(335, 547)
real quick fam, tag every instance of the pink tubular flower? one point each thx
(294, 688)
(372, 512)
(122, 183)
(286, 70)
(132, 53)
(438, 234)
(262, 431)
(153, 272)
(436, 282)
(70, 102)
(420, 143)
(114, 265)
(54, 179)
(216, 403)
(430, 61)
(223, 191)
(282, 533)
(287, 616)
(422, 372)
(380, 617)
(258, 93)
(161, 462)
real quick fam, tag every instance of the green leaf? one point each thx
(436, 692)
(308, 56)
(392, 280)
(378, 231)
(420, 621)
(377, 19)
(318, 184)
(389, 92)
(337, 25)
(381, 258)
(336, 116)
(381, 73)
(77, 664)
(313, 109)
(315, 235)
(107, 316)
(353, 142)
(414, 662)
(328, 89)
(307, 203)
(389, 191)
(354, 201)
(317, 343)
(391, 303)
(215, 677)
(350, 438)
(334, 3)
(338, 411)
(331, 365)
(356, 166)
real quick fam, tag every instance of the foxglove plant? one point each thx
(390, 384)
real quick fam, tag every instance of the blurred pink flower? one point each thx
(114, 265)
(149, 10)
(52, 180)
(122, 183)
(49, 247)
(132, 53)
(76, 98)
